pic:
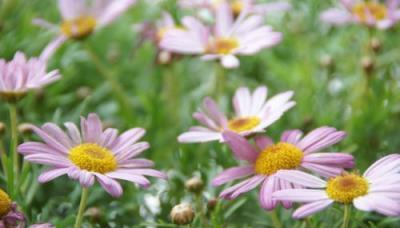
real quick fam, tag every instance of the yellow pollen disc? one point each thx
(347, 187)
(225, 45)
(277, 157)
(237, 7)
(78, 28)
(93, 158)
(363, 10)
(5, 203)
(243, 124)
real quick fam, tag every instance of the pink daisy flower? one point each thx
(253, 114)
(20, 75)
(371, 13)
(292, 153)
(155, 32)
(378, 189)
(238, 6)
(228, 38)
(81, 18)
(91, 153)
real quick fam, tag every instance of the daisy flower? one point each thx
(253, 114)
(378, 189)
(244, 36)
(292, 153)
(91, 153)
(20, 75)
(155, 32)
(371, 13)
(238, 6)
(80, 18)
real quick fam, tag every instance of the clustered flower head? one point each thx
(81, 18)
(378, 189)
(20, 75)
(266, 158)
(371, 13)
(253, 114)
(91, 153)
(229, 37)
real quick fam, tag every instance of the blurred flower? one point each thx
(371, 13)
(81, 18)
(244, 36)
(291, 153)
(367, 64)
(155, 33)
(194, 184)
(377, 189)
(182, 214)
(9, 215)
(253, 113)
(238, 6)
(20, 75)
(90, 153)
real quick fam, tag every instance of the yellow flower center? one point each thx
(277, 157)
(347, 187)
(78, 28)
(5, 203)
(237, 7)
(93, 158)
(225, 45)
(243, 124)
(366, 9)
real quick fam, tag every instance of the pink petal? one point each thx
(51, 174)
(300, 195)
(110, 185)
(291, 136)
(199, 136)
(114, 10)
(263, 142)
(323, 170)
(301, 178)
(240, 146)
(385, 165)
(232, 174)
(335, 159)
(311, 208)
(52, 47)
(265, 195)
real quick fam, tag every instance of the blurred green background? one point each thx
(324, 66)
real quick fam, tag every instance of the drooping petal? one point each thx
(265, 195)
(240, 147)
(110, 185)
(114, 10)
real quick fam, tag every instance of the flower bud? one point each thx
(95, 214)
(25, 128)
(326, 61)
(83, 92)
(367, 64)
(194, 184)
(182, 214)
(2, 129)
(375, 45)
(211, 204)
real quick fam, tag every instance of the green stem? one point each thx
(200, 209)
(4, 159)
(13, 168)
(276, 222)
(122, 98)
(82, 205)
(219, 81)
(346, 216)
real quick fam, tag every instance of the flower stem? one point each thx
(346, 216)
(13, 165)
(123, 99)
(82, 205)
(200, 210)
(275, 219)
